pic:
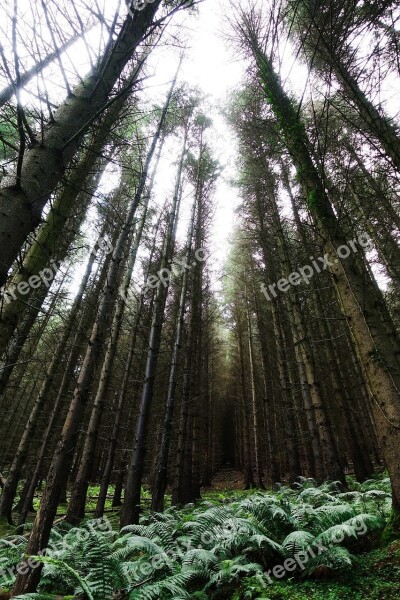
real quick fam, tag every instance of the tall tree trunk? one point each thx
(249, 482)
(131, 507)
(31, 483)
(161, 475)
(254, 407)
(122, 396)
(76, 508)
(21, 205)
(361, 461)
(361, 302)
(269, 408)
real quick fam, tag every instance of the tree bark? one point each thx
(161, 475)
(63, 455)
(361, 302)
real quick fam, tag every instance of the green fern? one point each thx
(297, 541)
(62, 565)
(172, 587)
(333, 559)
(202, 550)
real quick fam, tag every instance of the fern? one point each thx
(329, 515)
(202, 549)
(297, 541)
(172, 587)
(334, 559)
(62, 565)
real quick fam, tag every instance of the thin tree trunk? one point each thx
(29, 490)
(258, 462)
(131, 507)
(122, 396)
(161, 476)
(76, 508)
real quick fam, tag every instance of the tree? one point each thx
(45, 163)
(372, 331)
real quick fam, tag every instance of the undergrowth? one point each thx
(228, 546)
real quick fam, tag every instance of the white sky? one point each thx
(209, 65)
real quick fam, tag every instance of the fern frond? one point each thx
(336, 534)
(172, 587)
(53, 561)
(335, 558)
(126, 545)
(297, 541)
(200, 558)
(333, 514)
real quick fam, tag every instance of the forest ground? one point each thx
(374, 573)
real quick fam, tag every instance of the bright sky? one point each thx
(209, 65)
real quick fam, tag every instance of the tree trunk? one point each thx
(122, 396)
(63, 455)
(361, 302)
(161, 475)
(21, 205)
(29, 492)
(76, 508)
(131, 508)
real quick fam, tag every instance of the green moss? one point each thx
(312, 199)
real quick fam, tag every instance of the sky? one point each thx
(212, 67)
(212, 64)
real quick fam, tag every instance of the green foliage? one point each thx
(217, 550)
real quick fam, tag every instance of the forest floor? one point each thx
(375, 575)
(358, 568)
